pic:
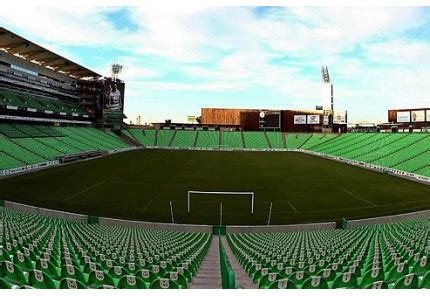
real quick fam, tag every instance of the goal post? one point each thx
(250, 194)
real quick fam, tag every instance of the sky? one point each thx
(177, 61)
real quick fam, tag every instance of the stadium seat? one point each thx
(315, 282)
(41, 280)
(70, 283)
(164, 283)
(345, 280)
(12, 274)
(131, 282)
(409, 281)
(282, 284)
(99, 278)
(425, 281)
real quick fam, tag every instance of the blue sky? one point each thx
(179, 60)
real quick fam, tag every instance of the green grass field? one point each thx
(139, 185)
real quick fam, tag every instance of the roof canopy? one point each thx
(17, 45)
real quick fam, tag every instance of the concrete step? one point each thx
(242, 279)
(209, 274)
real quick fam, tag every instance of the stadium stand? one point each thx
(144, 137)
(41, 104)
(406, 152)
(275, 140)
(165, 137)
(24, 144)
(255, 140)
(232, 140)
(42, 252)
(380, 256)
(295, 141)
(184, 139)
(208, 139)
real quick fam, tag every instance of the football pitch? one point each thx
(143, 184)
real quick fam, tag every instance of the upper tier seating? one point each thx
(42, 104)
(42, 252)
(381, 256)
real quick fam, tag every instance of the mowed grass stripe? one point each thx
(139, 185)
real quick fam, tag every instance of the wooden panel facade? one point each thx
(223, 116)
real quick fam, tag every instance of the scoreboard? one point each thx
(269, 119)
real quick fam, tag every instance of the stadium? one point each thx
(244, 198)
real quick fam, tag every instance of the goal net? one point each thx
(242, 194)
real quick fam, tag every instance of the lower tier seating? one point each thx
(24, 144)
(382, 256)
(48, 253)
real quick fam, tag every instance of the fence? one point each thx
(227, 274)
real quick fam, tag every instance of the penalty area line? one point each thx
(147, 205)
(294, 209)
(358, 197)
(85, 190)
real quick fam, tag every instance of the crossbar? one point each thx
(221, 193)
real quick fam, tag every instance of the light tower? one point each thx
(328, 102)
(116, 69)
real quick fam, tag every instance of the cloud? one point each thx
(255, 56)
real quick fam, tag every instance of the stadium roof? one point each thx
(19, 46)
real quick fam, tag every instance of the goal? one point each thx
(250, 195)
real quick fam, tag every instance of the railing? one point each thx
(227, 274)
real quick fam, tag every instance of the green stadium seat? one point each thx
(396, 272)
(40, 280)
(266, 280)
(371, 276)
(47, 267)
(131, 282)
(315, 282)
(12, 274)
(70, 283)
(425, 281)
(345, 280)
(147, 276)
(421, 267)
(4, 284)
(283, 284)
(98, 278)
(164, 283)
(377, 285)
(409, 281)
